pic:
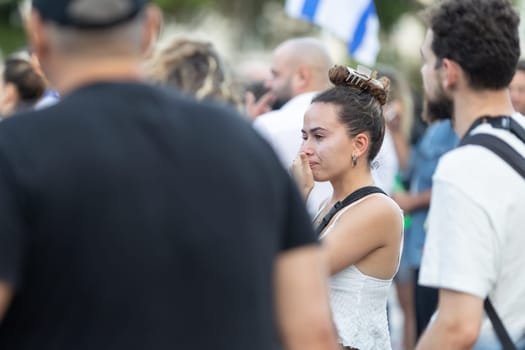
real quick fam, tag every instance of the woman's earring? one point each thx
(354, 160)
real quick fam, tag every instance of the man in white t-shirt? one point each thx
(475, 239)
(299, 70)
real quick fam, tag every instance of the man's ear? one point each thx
(303, 76)
(152, 28)
(450, 73)
(36, 34)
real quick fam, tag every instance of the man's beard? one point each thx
(440, 108)
(282, 96)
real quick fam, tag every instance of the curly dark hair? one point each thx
(481, 36)
(360, 104)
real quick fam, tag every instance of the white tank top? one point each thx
(358, 303)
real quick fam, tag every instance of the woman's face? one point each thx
(326, 142)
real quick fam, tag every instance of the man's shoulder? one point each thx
(470, 158)
(268, 120)
(466, 159)
(102, 107)
(295, 106)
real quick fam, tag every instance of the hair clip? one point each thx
(362, 76)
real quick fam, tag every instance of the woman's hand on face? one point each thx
(302, 174)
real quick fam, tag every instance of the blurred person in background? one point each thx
(132, 217)
(20, 87)
(194, 68)
(258, 97)
(399, 117)
(418, 169)
(50, 95)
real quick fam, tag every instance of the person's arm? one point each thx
(301, 300)
(365, 227)
(5, 298)
(457, 324)
(254, 108)
(410, 202)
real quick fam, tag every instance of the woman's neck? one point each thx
(350, 182)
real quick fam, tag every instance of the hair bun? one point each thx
(362, 78)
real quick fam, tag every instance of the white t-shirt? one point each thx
(476, 237)
(282, 129)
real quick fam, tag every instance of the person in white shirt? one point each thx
(475, 240)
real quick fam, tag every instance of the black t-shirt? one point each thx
(133, 218)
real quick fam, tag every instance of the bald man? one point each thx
(299, 66)
(299, 70)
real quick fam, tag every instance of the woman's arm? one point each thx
(363, 228)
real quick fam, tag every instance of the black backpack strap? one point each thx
(517, 162)
(504, 122)
(352, 197)
(499, 147)
(498, 326)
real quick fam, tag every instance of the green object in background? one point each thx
(407, 221)
(399, 187)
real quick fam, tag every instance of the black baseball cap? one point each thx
(88, 14)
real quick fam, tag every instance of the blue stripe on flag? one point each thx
(359, 34)
(309, 9)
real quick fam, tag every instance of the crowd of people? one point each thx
(153, 197)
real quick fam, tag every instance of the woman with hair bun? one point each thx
(343, 132)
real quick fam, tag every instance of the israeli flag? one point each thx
(354, 21)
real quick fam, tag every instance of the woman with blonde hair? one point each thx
(194, 68)
(360, 227)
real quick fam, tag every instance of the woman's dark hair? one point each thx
(360, 98)
(29, 84)
(481, 36)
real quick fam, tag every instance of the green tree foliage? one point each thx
(389, 11)
(11, 34)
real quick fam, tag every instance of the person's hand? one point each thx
(393, 114)
(302, 174)
(255, 108)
